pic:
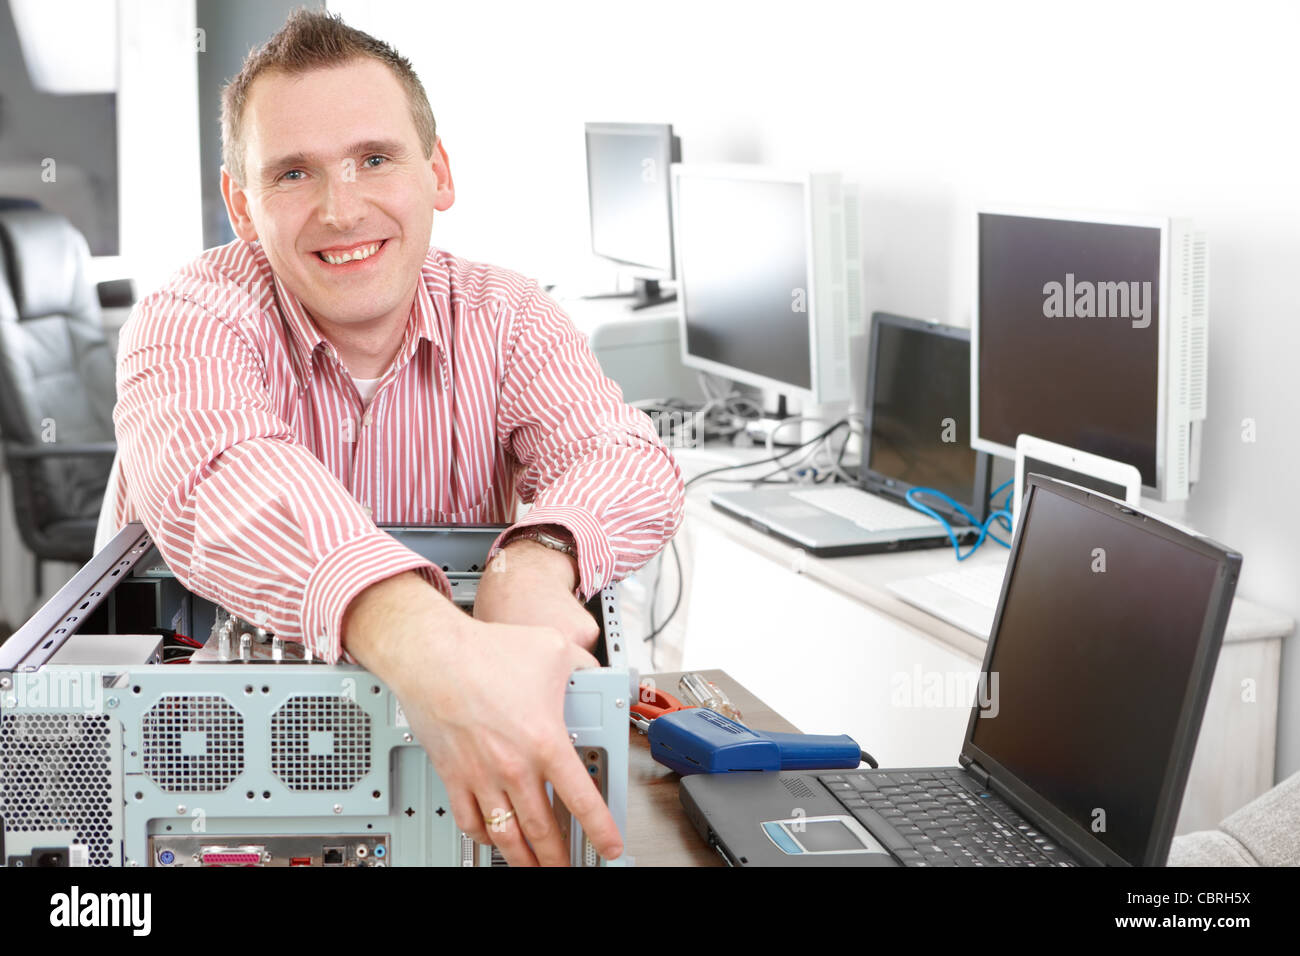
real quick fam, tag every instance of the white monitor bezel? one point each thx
(1095, 466)
(752, 173)
(1165, 225)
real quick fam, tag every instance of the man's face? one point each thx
(334, 168)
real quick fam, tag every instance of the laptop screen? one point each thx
(1090, 664)
(1035, 467)
(919, 405)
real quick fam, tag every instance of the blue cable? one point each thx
(995, 492)
(1001, 514)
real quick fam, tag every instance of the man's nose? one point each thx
(342, 205)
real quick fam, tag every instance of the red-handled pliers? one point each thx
(653, 703)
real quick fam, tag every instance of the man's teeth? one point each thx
(365, 252)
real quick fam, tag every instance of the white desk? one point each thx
(831, 649)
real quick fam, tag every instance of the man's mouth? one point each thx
(345, 255)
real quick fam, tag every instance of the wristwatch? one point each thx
(553, 536)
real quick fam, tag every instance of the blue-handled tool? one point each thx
(701, 741)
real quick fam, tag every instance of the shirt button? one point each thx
(366, 509)
(365, 420)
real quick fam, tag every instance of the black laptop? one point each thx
(1079, 743)
(917, 435)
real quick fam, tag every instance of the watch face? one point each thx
(555, 536)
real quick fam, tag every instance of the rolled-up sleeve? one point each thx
(588, 461)
(242, 513)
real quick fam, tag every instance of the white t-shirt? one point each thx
(367, 387)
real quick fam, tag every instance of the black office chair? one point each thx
(57, 386)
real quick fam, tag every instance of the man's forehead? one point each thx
(323, 112)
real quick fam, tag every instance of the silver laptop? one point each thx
(917, 417)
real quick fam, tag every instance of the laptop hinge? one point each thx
(979, 773)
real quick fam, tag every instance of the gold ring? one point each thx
(499, 818)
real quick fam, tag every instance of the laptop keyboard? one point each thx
(934, 818)
(863, 508)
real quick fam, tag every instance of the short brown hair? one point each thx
(312, 39)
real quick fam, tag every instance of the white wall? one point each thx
(1177, 108)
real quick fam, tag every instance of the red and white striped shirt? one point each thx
(245, 449)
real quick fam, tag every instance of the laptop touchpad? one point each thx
(837, 833)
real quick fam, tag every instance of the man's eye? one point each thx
(375, 165)
(292, 173)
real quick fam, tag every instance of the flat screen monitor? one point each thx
(1086, 334)
(762, 277)
(628, 189)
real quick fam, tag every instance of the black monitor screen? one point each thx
(628, 188)
(1092, 658)
(920, 410)
(744, 275)
(1069, 335)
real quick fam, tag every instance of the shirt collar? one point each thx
(427, 315)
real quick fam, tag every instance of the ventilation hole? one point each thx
(54, 779)
(320, 743)
(192, 744)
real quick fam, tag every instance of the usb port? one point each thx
(300, 861)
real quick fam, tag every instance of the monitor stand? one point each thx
(646, 293)
(788, 437)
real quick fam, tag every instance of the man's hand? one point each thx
(528, 583)
(487, 703)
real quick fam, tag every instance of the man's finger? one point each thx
(575, 787)
(505, 833)
(580, 660)
(537, 820)
(464, 810)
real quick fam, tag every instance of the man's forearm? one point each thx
(538, 559)
(393, 621)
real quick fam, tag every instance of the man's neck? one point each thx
(368, 349)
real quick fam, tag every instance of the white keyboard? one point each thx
(862, 508)
(966, 597)
(981, 585)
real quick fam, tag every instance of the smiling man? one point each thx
(329, 371)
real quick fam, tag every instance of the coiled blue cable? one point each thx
(1002, 515)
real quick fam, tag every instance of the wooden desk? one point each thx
(658, 833)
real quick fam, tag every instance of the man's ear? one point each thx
(237, 207)
(445, 194)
